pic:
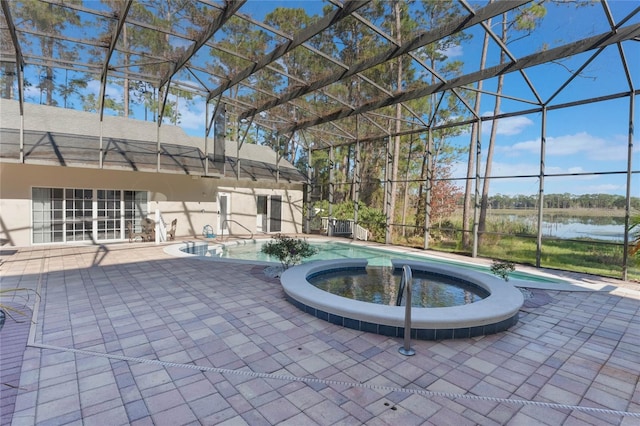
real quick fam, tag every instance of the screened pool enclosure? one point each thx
(502, 129)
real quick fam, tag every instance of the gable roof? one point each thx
(65, 137)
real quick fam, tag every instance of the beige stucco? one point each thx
(191, 200)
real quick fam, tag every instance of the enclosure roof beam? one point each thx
(122, 16)
(284, 48)
(413, 56)
(506, 51)
(231, 7)
(623, 58)
(584, 45)
(422, 39)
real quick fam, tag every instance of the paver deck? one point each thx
(126, 334)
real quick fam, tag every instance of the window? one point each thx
(64, 215)
(135, 208)
(47, 215)
(275, 222)
(79, 214)
(109, 207)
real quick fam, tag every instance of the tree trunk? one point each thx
(406, 189)
(477, 127)
(396, 139)
(482, 223)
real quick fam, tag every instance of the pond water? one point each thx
(573, 227)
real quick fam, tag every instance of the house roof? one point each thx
(64, 137)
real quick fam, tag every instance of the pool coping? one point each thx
(562, 283)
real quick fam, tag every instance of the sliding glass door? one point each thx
(109, 211)
(48, 215)
(78, 214)
(72, 214)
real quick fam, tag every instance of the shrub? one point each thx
(502, 268)
(289, 251)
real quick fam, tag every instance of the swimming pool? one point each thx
(250, 250)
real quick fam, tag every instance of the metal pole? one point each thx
(387, 188)
(206, 133)
(543, 145)
(627, 205)
(308, 192)
(476, 183)
(356, 182)
(428, 189)
(407, 277)
(330, 218)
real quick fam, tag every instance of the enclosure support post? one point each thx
(627, 206)
(101, 146)
(206, 133)
(356, 182)
(307, 192)
(543, 143)
(476, 200)
(428, 187)
(387, 194)
(277, 163)
(236, 133)
(22, 136)
(161, 106)
(158, 139)
(330, 218)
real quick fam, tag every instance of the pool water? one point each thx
(326, 251)
(335, 250)
(380, 285)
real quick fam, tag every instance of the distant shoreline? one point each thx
(572, 211)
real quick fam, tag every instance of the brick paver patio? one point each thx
(126, 334)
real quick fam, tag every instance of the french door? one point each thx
(223, 213)
(275, 216)
(62, 215)
(261, 215)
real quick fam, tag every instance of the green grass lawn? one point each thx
(586, 257)
(509, 239)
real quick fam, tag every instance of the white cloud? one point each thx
(31, 92)
(508, 126)
(112, 91)
(580, 144)
(602, 189)
(453, 52)
(192, 117)
(513, 169)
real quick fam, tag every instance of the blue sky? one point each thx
(581, 139)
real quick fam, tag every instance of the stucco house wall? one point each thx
(190, 198)
(192, 201)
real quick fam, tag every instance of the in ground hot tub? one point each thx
(495, 313)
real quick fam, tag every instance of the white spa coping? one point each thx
(503, 302)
